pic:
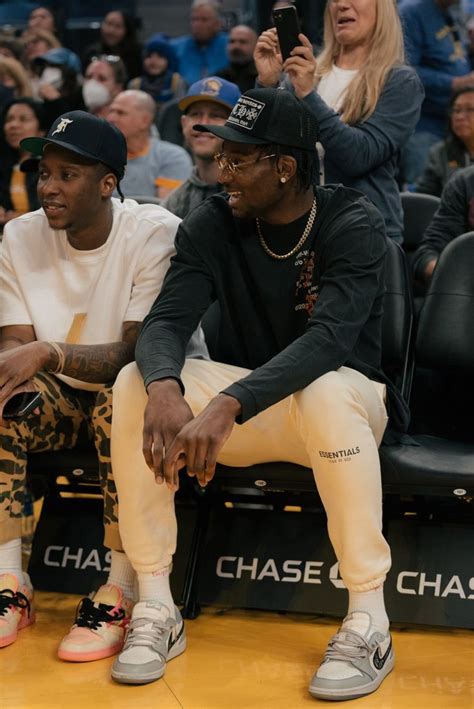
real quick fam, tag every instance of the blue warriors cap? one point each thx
(212, 88)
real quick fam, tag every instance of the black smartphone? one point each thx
(21, 404)
(288, 28)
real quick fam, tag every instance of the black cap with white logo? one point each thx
(263, 116)
(86, 135)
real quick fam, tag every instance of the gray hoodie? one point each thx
(191, 193)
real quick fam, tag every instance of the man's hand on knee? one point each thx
(198, 443)
(166, 414)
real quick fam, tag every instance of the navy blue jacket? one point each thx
(365, 155)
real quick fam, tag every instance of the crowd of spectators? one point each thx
(385, 105)
(455, 151)
(405, 128)
(434, 47)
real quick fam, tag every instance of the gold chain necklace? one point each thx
(304, 236)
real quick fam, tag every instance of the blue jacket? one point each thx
(435, 50)
(198, 61)
(365, 155)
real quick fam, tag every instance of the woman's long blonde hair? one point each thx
(13, 70)
(386, 50)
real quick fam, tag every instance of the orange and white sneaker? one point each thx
(16, 607)
(99, 627)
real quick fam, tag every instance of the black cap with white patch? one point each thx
(264, 116)
(86, 135)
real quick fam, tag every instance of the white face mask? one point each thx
(51, 75)
(95, 94)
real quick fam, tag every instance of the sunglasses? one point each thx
(109, 58)
(233, 167)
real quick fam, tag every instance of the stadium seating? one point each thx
(283, 483)
(442, 464)
(418, 211)
(423, 466)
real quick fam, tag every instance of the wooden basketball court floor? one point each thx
(235, 659)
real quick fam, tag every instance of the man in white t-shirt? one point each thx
(76, 279)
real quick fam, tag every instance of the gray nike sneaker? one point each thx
(153, 638)
(355, 663)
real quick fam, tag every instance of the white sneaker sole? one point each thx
(340, 694)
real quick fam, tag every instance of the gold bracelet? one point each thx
(61, 357)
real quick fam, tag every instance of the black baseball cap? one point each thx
(86, 135)
(263, 116)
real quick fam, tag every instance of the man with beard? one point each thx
(297, 272)
(241, 68)
(76, 279)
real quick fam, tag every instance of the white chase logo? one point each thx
(79, 558)
(245, 112)
(289, 571)
(62, 125)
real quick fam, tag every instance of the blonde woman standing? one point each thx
(366, 99)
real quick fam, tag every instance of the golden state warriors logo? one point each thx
(211, 87)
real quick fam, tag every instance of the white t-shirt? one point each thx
(331, 88)
(44, 281)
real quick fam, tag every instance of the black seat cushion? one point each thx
(278, 476)
(418, 211)
(434, 466)
(398, 312)
(445, 337)
(75, 463)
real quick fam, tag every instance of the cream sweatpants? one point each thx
(334, 426)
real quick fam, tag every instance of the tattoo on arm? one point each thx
(97, 363)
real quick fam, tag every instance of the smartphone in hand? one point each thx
(288, 28)
(21, 404)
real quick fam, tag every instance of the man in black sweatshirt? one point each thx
(298, 275)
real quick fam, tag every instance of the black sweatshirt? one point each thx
(289, 321)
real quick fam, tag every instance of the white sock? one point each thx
(10, 559)
(371, 602)
(121, 573)
(156, 587)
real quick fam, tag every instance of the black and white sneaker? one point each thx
(355, 662)
(153, 637)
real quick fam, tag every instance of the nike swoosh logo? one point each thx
(379, 662)
(174, 640)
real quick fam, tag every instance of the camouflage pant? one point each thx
(66, 414)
